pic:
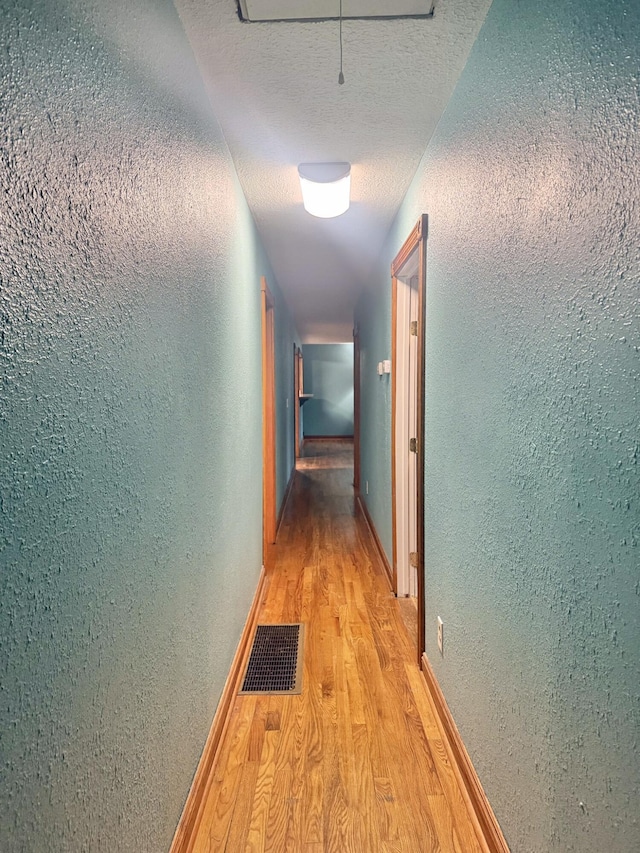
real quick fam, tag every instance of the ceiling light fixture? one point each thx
(325, 188)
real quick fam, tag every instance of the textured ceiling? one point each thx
(274, 89)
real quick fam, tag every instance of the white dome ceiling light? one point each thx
(325, 188)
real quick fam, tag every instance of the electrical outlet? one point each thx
(440, 635)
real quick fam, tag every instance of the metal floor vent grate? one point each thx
(275, 663)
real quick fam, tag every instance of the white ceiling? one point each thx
(274, 89)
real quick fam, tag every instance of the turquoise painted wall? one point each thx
(130, 418)
(328, 375)
(531, 183)
(373, 319)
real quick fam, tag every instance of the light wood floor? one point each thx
(354, 764)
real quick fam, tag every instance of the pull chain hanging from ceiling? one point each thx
(341, 75)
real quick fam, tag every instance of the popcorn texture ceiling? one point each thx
(274, 89)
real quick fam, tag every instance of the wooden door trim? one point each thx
(416, 241)
(418, 234)
(394, 411)
(297, 390)
(356, 410)
(268, 425)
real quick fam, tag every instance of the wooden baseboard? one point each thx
(187, 829)
(283, 505)
(374, 535)
(486, 826)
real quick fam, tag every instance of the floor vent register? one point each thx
(275, 663)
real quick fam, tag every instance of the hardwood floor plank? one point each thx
(262, 794)
(354, 764)
(242, 810)
(292, 788)
(313, 794)
(220, 802)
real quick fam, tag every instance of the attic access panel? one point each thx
(262, 11)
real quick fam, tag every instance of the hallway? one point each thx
(355, 763)
(152, 214)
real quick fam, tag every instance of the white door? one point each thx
(406, 429)
(408, 308)
(412, 405)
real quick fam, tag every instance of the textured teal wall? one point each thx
(373, 318)
(328, 375)
(130, 506)
(531, 183)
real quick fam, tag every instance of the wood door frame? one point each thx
(297, 391)
(356, 410)
(415, 242)
(268, 425)
(296, 403)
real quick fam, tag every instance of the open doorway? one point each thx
(328, 392)
(408, 272)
